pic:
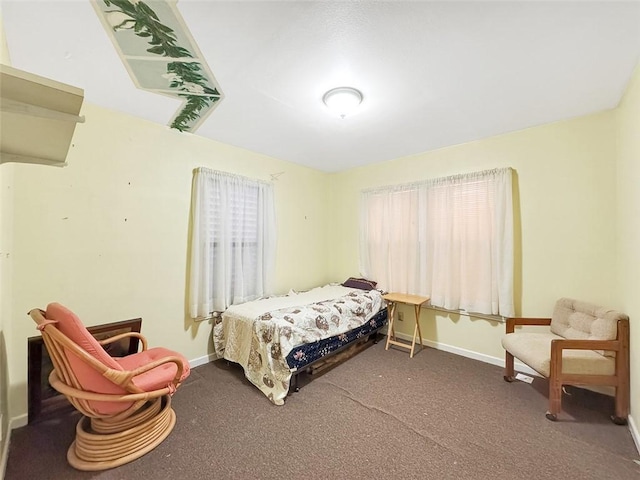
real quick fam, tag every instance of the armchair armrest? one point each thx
(120, 336)
(513, 321)
(150, 366)
(556, 373)
(569, 344)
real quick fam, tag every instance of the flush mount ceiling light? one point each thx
(342, 100)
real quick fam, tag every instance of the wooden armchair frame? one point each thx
(108, 440)
(619, 380)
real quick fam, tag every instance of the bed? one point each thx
(275, 338)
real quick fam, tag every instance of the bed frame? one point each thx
(273, 354)
(341, 353)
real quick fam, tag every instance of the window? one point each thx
(232, 241)
(450, 238)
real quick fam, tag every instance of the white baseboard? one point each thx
(17, 422)
(633, 428)
(196, 362)
(4, 455)
(520, 367)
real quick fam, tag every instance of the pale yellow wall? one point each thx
(4, 49)
(628, 208)
(6, 259)
(6, 235)
(107, 235)
(565, 186)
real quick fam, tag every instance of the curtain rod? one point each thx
(437, 180)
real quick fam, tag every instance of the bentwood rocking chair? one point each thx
(126, 402)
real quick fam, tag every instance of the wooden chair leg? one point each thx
(621, 403)
(555, 400)
(622, 406)
(555, 382)
(509, 372)
(622, 374)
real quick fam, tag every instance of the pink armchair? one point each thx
(126, 402)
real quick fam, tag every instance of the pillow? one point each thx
(361, 283)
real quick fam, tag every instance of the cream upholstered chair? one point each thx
(586, 345)
(126, 402)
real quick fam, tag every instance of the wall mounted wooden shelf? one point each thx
(38, 117)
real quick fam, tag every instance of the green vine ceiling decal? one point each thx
(161, 56)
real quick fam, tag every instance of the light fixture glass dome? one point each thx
(342, 100)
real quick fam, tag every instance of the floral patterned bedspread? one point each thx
(260, 334)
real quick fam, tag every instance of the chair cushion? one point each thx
(578, 320)
(534, 350)
(89, 378)
(71, 326)
(159, 377)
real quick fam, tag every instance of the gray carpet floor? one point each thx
(378, 415)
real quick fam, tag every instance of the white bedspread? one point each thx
(260, 334)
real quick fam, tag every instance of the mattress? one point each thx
(273, 337)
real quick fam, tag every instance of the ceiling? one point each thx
(433, 74)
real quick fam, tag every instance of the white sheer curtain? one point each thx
(233, 241)
(450, 238)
